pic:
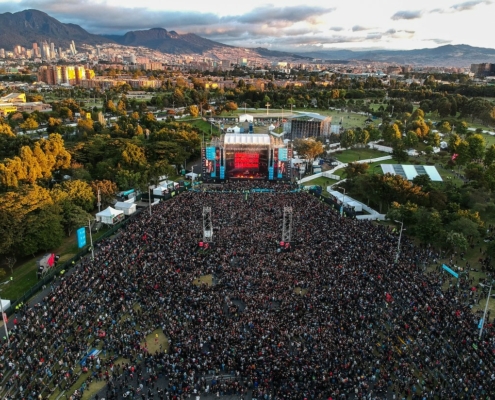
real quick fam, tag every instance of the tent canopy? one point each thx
(110, 216)
(192, 175)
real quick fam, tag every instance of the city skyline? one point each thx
(290, 25)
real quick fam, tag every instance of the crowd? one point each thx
(333, 318)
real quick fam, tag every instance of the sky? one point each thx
(289, 25)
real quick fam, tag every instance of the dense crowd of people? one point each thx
(335, 317)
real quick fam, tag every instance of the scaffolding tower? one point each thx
(207, 225)
(287, 225)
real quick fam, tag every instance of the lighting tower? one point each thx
(287, 225)
(207, 225)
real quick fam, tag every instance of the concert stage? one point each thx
(241, 156)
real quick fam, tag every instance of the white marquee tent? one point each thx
(128, 208)
(110, 216)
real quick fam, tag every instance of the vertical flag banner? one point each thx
(81, 237)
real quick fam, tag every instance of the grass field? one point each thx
(24, 277)
(351, 155)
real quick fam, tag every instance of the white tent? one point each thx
(110, 216)
(128, 208)
(234, 129)
(246, 117)
(192, 175)
(5, 305)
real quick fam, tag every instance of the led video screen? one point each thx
(246, 160)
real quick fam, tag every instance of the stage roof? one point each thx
(247, 138)
(409, 172)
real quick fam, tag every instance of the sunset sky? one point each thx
(291, 25)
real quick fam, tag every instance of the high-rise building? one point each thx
(2, 53)
(52, 50)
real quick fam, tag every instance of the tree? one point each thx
(29, 124)
(428, 152)
(362, 136)
(230, 106)
(347, 138)
(477, 145)
(399, 153)
(454, 141)
(5, 129)
(107, 188)
(85, 126)
(79, 193)
(422, 180)
(411, 139)
(308, 148)
(428, 226)
(354, 169)
(73, 216)
(489, 156)
(433, 139)
(42, 230)
(456, 241)
(193, 111)
(391, 133)
(466, 227)
(110, 106)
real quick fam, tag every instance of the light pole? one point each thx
(400, 237)
(91, 240)
(192, 177)
(486, 308)
(149, 196)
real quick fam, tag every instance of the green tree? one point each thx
(73, 216)
(391, 133)
(428, 226)
(489, 156)
(456, 241)
(355, 169)
(347, 138)
(399, 153)
(477, 145)
(411, 139)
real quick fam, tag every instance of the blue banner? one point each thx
(270, 173)
(222, 172)
(453, 273)
(282, 154)
(210, 153)
(480, 325)
(81, 237)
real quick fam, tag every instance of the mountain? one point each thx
(29, 26)
(167, 41)
(449, 55)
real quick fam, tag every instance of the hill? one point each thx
(29, 26)
(451, 55)
(167, 41)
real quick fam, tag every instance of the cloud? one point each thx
(336, 28)
(465, 6)
(293, 14)
(407, 15)
(469, 5)
(438, 41)
(360, 28)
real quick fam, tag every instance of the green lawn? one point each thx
(351, 155)
(323, 182)
(25, 278)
